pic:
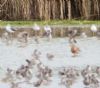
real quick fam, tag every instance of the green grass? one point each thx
(51, 22)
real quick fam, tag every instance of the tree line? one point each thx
(49, 9)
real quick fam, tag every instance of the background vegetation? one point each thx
(49, 9)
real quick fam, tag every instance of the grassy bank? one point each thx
(52, 22)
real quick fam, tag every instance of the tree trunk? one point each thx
(69, 9)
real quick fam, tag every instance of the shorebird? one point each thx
(48, 32)
(9, 33)
(74, 50)
(23, 37)
(83, 35)
(72, 34)
(36, 28)
(50, 56)
(93, 29)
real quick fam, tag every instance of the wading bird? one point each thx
(94, 29)
(72, 34)
(48, 32)
(36, 28)
(74, 50)
(9, 33)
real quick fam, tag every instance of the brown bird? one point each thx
(74, 49)
(38, 83)
(50, 56)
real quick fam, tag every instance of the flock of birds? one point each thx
(24, 74)
(36, 74)
(72, 33)
(23, 35)
(68, 75)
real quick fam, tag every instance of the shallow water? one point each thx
(59, 47)
(13, 56)
(57, 30)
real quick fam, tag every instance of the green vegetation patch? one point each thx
(51, 22)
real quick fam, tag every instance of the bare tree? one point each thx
(49, 9)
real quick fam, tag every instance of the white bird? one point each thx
(48, 31)
(36, 27)
(75, 31)
(47, 28)
(93, 28)
(83, 34)
(9, 29)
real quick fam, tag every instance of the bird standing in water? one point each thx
(36, 28)
(74, 50)
(72, 34)
(48, 32)
(9, 34)
(94, 29)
